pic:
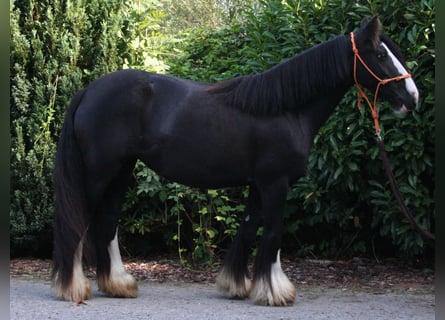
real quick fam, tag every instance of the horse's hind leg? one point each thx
(69, 281)
(111, 275)
(233, 278)
(270, 285)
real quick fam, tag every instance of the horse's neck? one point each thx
(319, 110)
(322, 71)
(294, 85)
(329, 78)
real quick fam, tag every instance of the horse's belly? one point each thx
(201, 176)
(198, 165)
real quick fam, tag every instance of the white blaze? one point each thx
(409, 82)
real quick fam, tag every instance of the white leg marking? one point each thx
(225, 282)
(279, 292)
(119, 283)
(80, 288)
(409, 82)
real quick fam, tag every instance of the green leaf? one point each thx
(353, 166)
(338, 172)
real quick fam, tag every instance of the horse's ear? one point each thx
(373, 29)
(364, 22)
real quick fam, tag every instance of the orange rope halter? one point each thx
(361, 92)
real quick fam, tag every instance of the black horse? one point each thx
(254, 130)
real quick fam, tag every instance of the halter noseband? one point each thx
(361, 92)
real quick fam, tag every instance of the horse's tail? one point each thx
(71, 216)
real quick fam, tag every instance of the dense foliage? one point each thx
(56, 47)
(342, 207)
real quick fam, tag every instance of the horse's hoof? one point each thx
(124, 286)
(225, 283)
(281, 296)
(76, 292)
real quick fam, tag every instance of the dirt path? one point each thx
(34, 300)
(340, 290)
(363, 274)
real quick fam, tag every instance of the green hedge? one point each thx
(56, 48)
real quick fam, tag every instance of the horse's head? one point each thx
(385, 65)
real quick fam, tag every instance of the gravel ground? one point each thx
(33, 299)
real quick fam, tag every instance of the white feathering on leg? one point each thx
(225, 282)
(119, 283)
(279, 292)
(80, 288)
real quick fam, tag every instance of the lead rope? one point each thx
(383, 155)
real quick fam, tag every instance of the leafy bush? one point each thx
(189, 219)
(346, 185)
(344, 205)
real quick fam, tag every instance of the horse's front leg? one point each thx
(270, 285)
(116, 281)
(233, 279)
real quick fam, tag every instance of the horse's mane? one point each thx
(291, 84)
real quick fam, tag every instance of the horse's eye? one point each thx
(382, 55)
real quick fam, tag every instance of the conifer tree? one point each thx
(56, 48)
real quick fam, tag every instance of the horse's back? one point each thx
(118, 106)
(133, 114)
